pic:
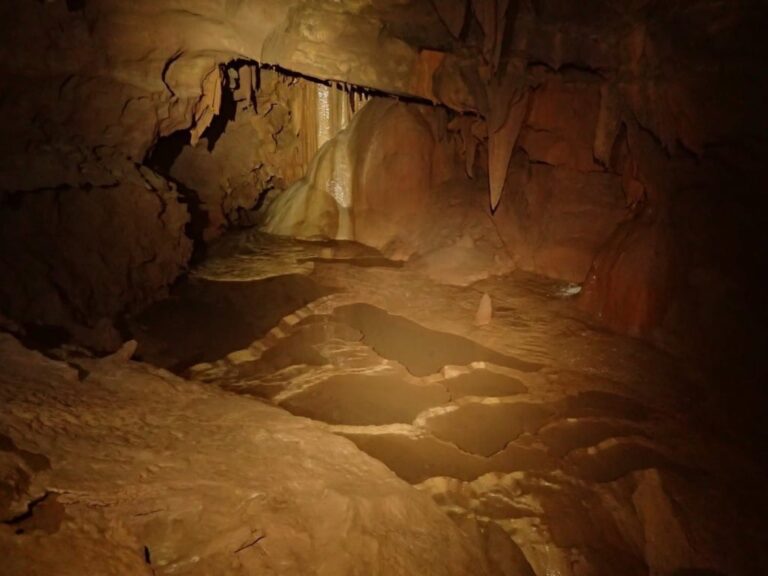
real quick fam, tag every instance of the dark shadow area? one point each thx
(75, 5)
(485, 429)
(44, 337)
(614, 461)
(160, 159)
(570, 434)
(363, 262)
(598, 403)
(203, 321)
(219, 123)
(415, 459)
(166, 150)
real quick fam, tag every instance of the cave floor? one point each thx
(537, 431)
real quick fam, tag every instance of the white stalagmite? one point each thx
(484, 312)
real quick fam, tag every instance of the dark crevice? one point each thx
(13, 199)
(75, 5)
(82, 373)
(166, 150)
(198, 218)
(653, 136)
(226, 114)
(686, 152)
(27, 514)
(166, 67)
(161, 158)
(263, 195)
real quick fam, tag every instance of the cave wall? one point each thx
(89, 91)
(619, 142)
(269, 128)
(625, 156)
(372, 183)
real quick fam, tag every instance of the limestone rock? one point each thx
(560, 129)
(453, 13)
(557, 219)
(81, 255)
(370, 184)
(182, 486)
(667, 549)
(628, 285)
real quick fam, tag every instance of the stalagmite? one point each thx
(484, 311)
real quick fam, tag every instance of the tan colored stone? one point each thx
(501, 145)
(484, 312)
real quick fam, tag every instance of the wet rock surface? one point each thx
(554, 447)
(560, 461)
(420, 350)
(176, 332)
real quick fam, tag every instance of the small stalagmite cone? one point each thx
(484, 311)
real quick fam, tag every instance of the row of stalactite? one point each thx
(320, 111)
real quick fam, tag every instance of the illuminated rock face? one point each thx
(91, 89)
(371, 183)
(264, 139)
(174, 478)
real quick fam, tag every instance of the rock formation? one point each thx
(167, 495)
(276, 196)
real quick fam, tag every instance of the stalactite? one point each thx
(318, 113)
(501, 144)
(502, 6)
(492, 16)
(453, 13)
(485, 12)
(208, 105)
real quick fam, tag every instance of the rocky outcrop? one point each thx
(628, 288)
(75, 256)
(555, 219)
(269, 127)
(372, 183)
(129, 470)
(93, 89)
(558, 100)
(615, 143)
(386, 181)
